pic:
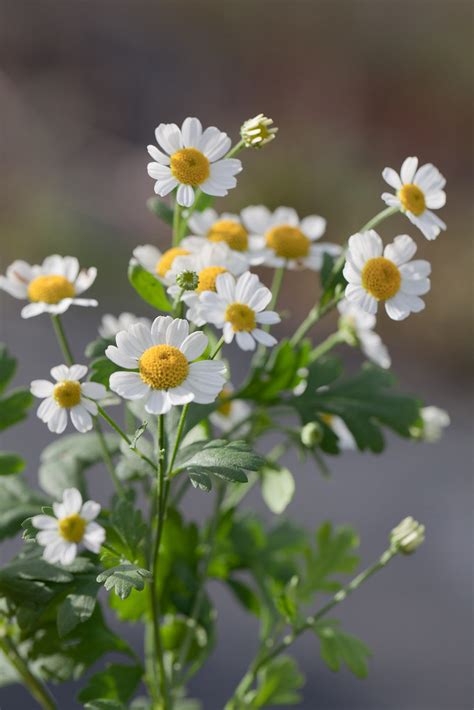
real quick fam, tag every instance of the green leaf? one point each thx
(278, 683)
(117, 682)
(101, 704)
(221, 454)
(129, 529)
(200, 480)
(280, 374)
(148, 287)
(278, 487)
(334, 554)
(132, 609)
(10, 463)
(78, 606)
(124, 578)
(17, 502)
(7, 367)
(101, 369)
(13, 409)
(161, 209)
(97, 347)
(338, 647)
(245, 595)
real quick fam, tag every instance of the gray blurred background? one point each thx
(353, 86)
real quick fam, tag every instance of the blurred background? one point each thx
(353, 86)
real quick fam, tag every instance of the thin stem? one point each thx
(388, 212)
(62, 340)
(235, 149)
(37, 689)
(108, 458)
(327, 345)
(176, 224)
(217, 348)
(123, 435)
(177, 441)
(315, 314)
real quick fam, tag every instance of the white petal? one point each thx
(194, 345)
(81, 418)
(246, 286)
(429, 179)
(415, 287)
(90, 510)
(44, 522)
(402, 249)
(215, 145)
(268, 318)
(47, 408)
(60, 373)
(33, 309)
(225, 287)
(54, 551)
(58, 421)
(392, 178)
(359, 296)
(164, 187)
(72, 501)
(158, 329)
(435, 200)
(418, 268)
(177, 332)
(128, 385)
(185, 195)
(46, 537)
(191, 132)
(158, 402)
(85, 280)
(90, 406)
(147, 256)
(94, 536)
(180, 395)
(313, 226)
(158, 155)
(264, 338)
(77, 372)
(69, 552)
(94, 390)
(41, 388)
(245, 341)
(407, 173)
(169, 137)
(256, 219)
(364, 246)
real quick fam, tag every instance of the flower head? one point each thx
(71, 528)
(226, 228)
(51, 287)
(160, 365)
(158, 263)
(111, 325)
(238, 307)
(230, 412)
(418, 191)
(187, 280)
(282, 239)
(258, 131)
(434, 421)
(377, 274)
(358, 326)
(192, 158)
(67, 395)
(407, 536)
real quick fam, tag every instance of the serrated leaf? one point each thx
(233, 475)
(161, 209)
(148, 287)
(200, 480)
(278, 683)
(7, 367)
(334, 554)
(130, 528)
(77, 607)
(278, 487)
(117, 682)
(338, 647)
(10, 463)
(245, 595)
(123, 578)
(221, 454)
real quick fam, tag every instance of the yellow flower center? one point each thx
(230, 232)
(190, 166)
(166, 261)
(412, 199)
(67, 393)
(225, 407)
(72, 528)
(163, 367)
(241, 317)
(208, 276)
(50, 289)
(288, 242)
(327, 418)
(381, 278)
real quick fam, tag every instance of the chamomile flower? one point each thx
(160, 365)
(226, 228)
(238, 307)
(434, 421)
(359, 328)
(192, 158)
(258, 131)
(158, 262)
(51, 287)
(208, 263)
(71, 528)
(230, 412)
(282, 239)
(345, 439)
(67, 395)
(111, 325)
(388, 275)
(418, 191)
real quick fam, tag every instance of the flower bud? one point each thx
(311, 434)
(188, 280)
(258, 131)
(407, 536)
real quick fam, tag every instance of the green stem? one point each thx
(235, 149)
(108, 458)
(176, 224)
(62, 340)
(34, 685)
(327, 345)
(388, 212)
(123, 435)
(217, 349)
(309, 623)
(177, 441)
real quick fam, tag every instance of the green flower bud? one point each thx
(258, 131)
(407, 536)
(188, 280)
(311, 434)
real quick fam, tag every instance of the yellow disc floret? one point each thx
(163, 367)
(208, 276)
(230, 232)
(241, 317)
(167, 258)
(288, 242)
(190, 166)
(50, 289)
(412, 199)
(72, 528)
(67, 393)
(225, 407)
(381, 278)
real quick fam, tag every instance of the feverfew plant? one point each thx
(158, 404)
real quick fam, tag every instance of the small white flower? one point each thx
(230, 412)
(282, 239)
(51, 287)
(258, 131)
(360, 325)
(111, 325)
(434, 421)
(346, 440)
(160, 365)
(67, 395)
(377, 274)
(72, 528)
(226, 228)
(208, 263)
(407, 536)
(193, 158)
(238, 307)
(417, 193)
(158, 263)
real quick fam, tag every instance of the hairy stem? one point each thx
(37, 689)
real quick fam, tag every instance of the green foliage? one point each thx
(148, 287)
(101, 369)
(116, 682)
(280, 374)
(225, 459)
(10, 463)
(17, 502)
(14, 407)
(7, 367)
(338, 647)
(78, 606)
(126, 530)
(96, 348)
(123, 578)
(278, 683)
(161, 209)
(278, 487)
(334, 554)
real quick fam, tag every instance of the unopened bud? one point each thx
(188, 280)
(311, 434)
(407, 536)
(258, 131)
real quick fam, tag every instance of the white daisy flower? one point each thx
(193, 158)
(111, 325)
(226, 227)
(258, 131)
(345, 439)
(230, 412)
(161, 368)
(417, 193)
(68, 394)
(360, 327)
(72, 528)
(434, 421)
(208, 263)
(158, 263)
(282, 239)
(51, 287)
(238, 307)
(377, 274)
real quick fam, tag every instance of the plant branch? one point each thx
(37, 689)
